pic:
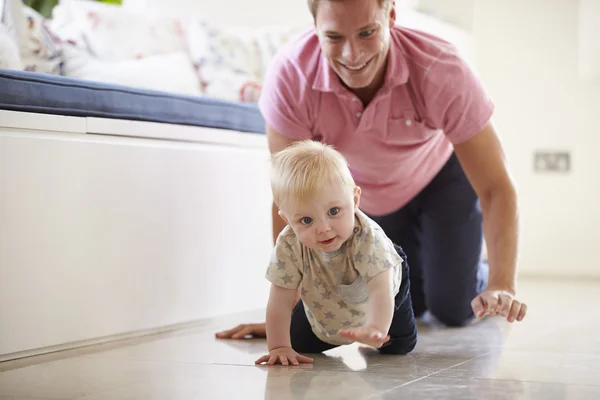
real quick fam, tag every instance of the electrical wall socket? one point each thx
(552, 161)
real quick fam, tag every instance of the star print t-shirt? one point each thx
(334, 285)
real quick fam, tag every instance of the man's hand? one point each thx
(367, 334)
(244, 330)
(285, 356)
(499, 302)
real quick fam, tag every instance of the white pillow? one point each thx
(171, 73)
(115, 33)
(9, 50)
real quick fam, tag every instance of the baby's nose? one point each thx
(324, 227)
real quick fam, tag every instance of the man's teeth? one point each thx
(356, 68)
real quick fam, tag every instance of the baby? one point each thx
(352, 280)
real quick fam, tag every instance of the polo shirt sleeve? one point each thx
(284, 267)
(283, 101)
(456, 99)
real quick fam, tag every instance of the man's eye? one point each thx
(334, 37)
(306, 220)
(334, 211)
(367, 33)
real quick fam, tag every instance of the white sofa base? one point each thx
(110, 228)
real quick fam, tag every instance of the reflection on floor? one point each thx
(553, 354)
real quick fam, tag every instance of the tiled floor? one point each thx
(553, 354)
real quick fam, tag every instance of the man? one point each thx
(413, 121)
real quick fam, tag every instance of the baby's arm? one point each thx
(379, 314)
(279, 315)
(279, 312)
(381, 301)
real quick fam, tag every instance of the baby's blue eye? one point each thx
(334, 211)
(306, 220)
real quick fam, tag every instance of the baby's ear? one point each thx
(283, 216)
(357, 192)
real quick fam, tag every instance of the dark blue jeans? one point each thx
(441, 232)
(403, 330)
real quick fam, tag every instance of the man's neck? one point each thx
(368, 93)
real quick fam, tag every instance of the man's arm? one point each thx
(484, 163)
(278, 142)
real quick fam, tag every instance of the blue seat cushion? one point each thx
(60, 95)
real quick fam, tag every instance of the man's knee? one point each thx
(450, 302)
(452, 314)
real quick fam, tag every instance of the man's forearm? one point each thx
(501, 226)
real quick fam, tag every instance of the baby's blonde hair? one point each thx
(304, 168)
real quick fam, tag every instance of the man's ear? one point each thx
(282, 215)
(357, 193)
(392, 14)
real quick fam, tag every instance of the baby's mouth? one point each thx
(329, 241)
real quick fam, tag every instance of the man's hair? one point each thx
(301, 170)
(313, 4)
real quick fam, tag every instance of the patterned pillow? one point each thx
(39, 49)
(231, 62)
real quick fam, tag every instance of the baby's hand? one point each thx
(367, 334)
(284, 355)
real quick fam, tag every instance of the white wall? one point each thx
(527, 55)
(428, 23)
(589, 40)
(457, 12)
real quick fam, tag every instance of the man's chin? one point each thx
(356, 84)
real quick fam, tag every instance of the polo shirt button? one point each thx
(354, 99)
(358, 114)
(408, 122)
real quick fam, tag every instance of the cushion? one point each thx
(55, 94)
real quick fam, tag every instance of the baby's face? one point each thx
(327, 221)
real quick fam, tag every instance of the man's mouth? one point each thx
(357, 67)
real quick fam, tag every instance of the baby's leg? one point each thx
(302, 336)
(403, 331)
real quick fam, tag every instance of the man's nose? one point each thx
(351, 52)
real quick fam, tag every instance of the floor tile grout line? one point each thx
(426, 376)
(478, 378)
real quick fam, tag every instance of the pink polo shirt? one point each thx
(430, 99)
